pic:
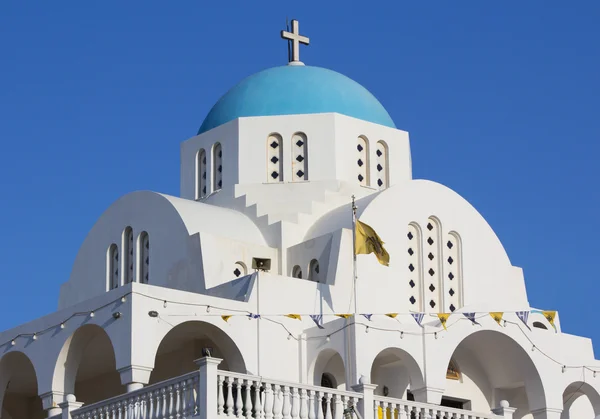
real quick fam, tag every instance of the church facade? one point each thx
(242, 296)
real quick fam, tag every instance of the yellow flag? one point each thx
(550, 316)
(367, 241)
(294, 316)
(344, 316)
(392, 315)
(443, 318)
(226, 318)
(497, 315)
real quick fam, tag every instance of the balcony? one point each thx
(211, 393)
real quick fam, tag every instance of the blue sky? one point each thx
(500, 99)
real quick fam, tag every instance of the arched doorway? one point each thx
(581, 401)
(328, 370)
(395, 371)
(86, 366)
(185, 343)
(18, 388)
(487, 367)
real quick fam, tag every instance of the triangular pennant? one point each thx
(392, 315)
(471, 316)
(318, 319)
(550, 316)
(294, 316)
(226, 317)
(443, 318)
(253, 316)
(497, 315)
(418, 317)
(344, 316)
(367, 316)
(523, 316)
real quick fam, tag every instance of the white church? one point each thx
(242, 297)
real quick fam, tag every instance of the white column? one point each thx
(208, 385)
(365, 405)
(69, 405)
(504, 410)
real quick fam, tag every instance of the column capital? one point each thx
(51, 399)
(428, 394)
(135, 374)
(362, 387)
(546, 413)
(207, 361)
(504, 410)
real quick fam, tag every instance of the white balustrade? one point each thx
(271, 399)
(174, 398)
(388, 408)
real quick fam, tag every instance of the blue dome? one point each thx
(292, 90)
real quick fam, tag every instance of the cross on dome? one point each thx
(296, 39)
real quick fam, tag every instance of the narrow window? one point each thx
(144, 258)
(127, 268)
(299, 157)
(363, 161)
(452, 272)
(112, 266)
(297, 272)
(382, 165)
(239, 270)
(432, 263)
(314, 271)
(217, 167)
(414, 284)
(201, 174)
(274, 158)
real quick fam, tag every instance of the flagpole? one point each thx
(354, 274)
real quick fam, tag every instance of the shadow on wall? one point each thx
(19, 392)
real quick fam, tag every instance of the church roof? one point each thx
(296, 89)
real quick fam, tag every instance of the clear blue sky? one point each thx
(500, 99)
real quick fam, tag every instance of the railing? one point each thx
(388, 408)
(174, 398)
(247, 396)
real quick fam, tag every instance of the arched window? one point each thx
(112, 267)
(239, 270)
(217, 161)
(382, 165)
(127, 268)
(452, 272)
(539, 325)
(201, 174)
(297, 272)
(274, 158)
(363, 161)
(314, 271)
(299, 157)
(452, 372)
(415, 280)
(432, 266)
(144, 257)
(328, 381)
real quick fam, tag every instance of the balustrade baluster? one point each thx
(269, 401)
(178, 409)
(258, 405)
(295, 400)
(239, 404)
(220, 396)
(320, 405)
(303, 404)
(287, 405)
(248, 401)
(278, 402)
(402, 411)
(328, 406)
(375, 409)
(229, 397)
(338, 410)
(185, 405)
(311, 405)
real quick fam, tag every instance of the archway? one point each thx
(329, 370)
(18, 388)
(185, 343)
(395, 371)
(487, 367)
(86, 366)
(581, 401)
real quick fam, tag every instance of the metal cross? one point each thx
(296, 39)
